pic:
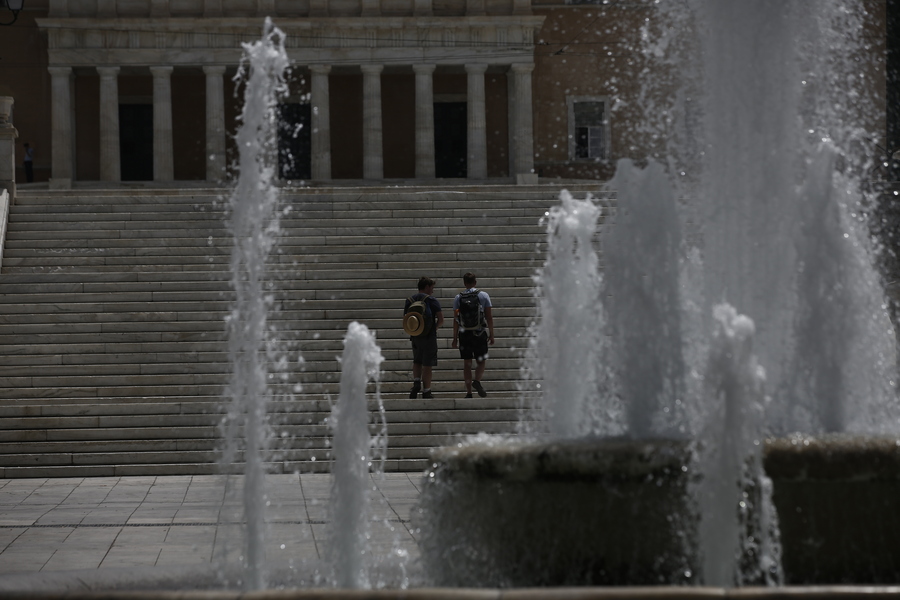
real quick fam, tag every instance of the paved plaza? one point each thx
(130, 524)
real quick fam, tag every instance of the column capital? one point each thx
(320, 69)
(214, 69)
(106, 72)
(60, 71)
(423, 69)
(476, 68)
(522, 67)
(372, 69)
(161, 71)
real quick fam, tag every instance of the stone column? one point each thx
(8, 135)
(212, 9)
(373, 153)
(371, 8)
(61, 126)
(320, 122)
(424, 121)
(110, 159)
(477, 129)
(163, 163)
(215, 123)
(522, 132)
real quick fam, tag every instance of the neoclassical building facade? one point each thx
(379, 90)
(327, 40)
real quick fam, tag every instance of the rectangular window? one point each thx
(590, 136)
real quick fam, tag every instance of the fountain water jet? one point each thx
(565, 350)
(766, 196)
(349, 552)
(254, 224)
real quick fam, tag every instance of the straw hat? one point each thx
(413, 323)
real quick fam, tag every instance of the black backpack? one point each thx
(471, 313)
(418, 319)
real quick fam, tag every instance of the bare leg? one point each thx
(467, 374)
(426, 376)
(479, 370)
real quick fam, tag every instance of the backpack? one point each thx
(418, 320)
(471, 313)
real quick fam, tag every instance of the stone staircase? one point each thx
(113, 352)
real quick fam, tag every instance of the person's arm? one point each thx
(440, 318)
(489, 317)
(455, 331)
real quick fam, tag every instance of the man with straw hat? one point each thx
(422, 317)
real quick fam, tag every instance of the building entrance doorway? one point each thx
(294, 141)
(136, 142)
(450, 139)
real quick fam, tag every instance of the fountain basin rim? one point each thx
(799, 457)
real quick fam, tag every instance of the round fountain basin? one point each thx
(510, 513)
(836, 498)
(504, 513)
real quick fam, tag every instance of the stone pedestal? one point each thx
(837, 503)
(590, 512)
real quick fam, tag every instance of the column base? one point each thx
(60, 183)
(526, 179)
(9, 186)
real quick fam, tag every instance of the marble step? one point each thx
(433, 238)
(462, 250)
(298, 279)
(290, 227)
(212, 432)
(496, 381)
(313, 362)
(25, 213)
(339, 199)
(208, 405)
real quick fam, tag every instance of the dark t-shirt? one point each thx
(432, 303)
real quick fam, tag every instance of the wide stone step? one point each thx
(290, 227)
(54, 215)
(223, 244)
(322, 361)
(296, 279)
(113, 351)
(302, 404)
(212, 431)
(496, 381)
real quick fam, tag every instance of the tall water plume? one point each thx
(566, 341)
(253, 223)
(643, 299)
(349, 552)
(783, 240)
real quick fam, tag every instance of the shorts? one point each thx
(425, 350)
(473, 345)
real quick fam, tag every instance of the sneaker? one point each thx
(427, 395)
(469, 395)
(415, 390)
(479, 389)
